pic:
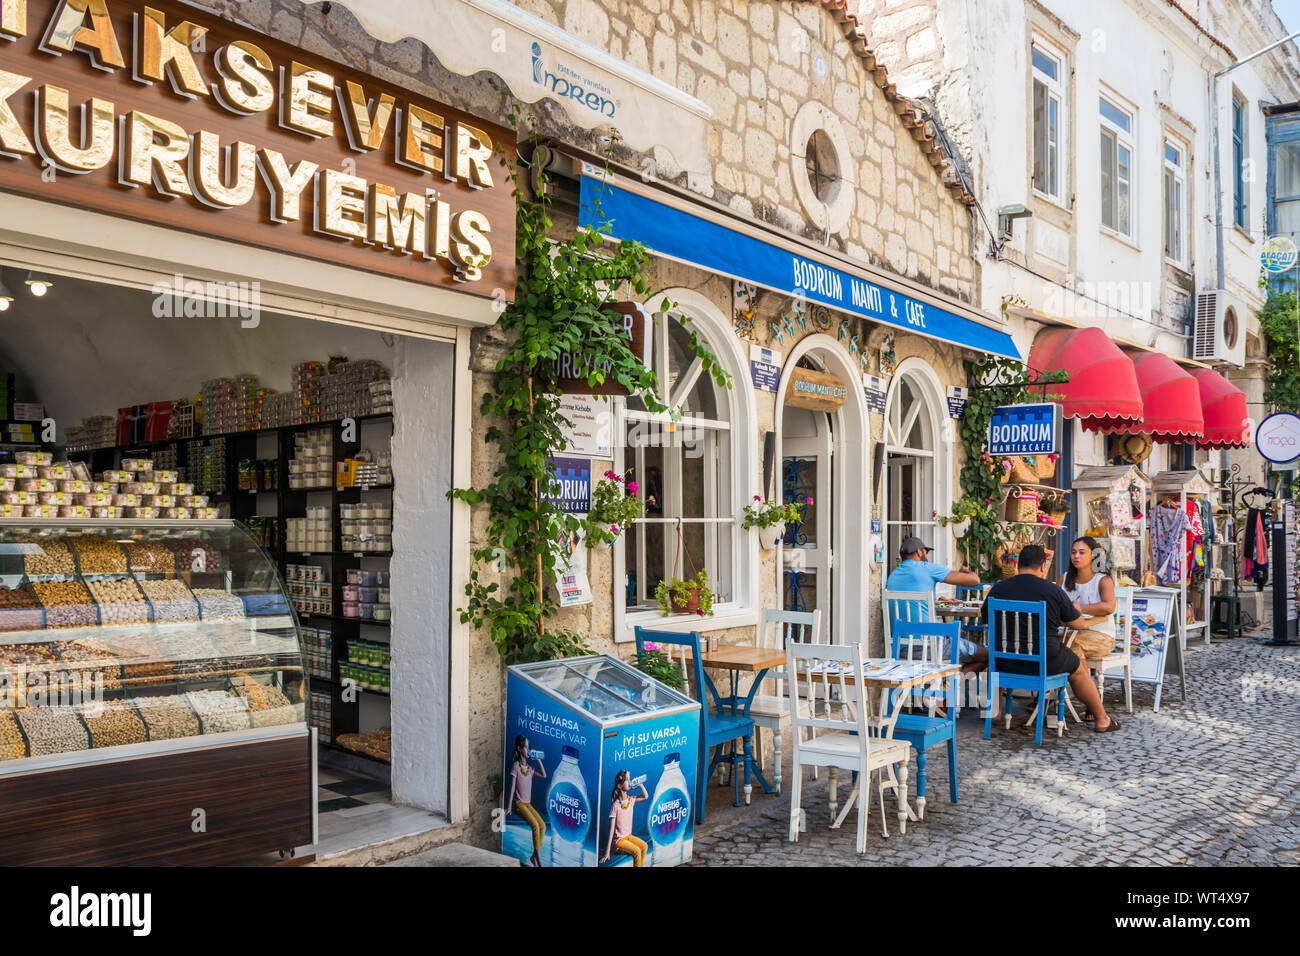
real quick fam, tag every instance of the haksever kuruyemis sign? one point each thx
(161, 113)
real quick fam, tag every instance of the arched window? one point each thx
(911, 470)
(682, 463)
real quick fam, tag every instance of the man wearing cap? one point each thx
(917, 573)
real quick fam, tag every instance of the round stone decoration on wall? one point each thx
(822, 167)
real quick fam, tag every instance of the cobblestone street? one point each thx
(1207, 781)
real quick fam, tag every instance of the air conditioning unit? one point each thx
(1219, 332)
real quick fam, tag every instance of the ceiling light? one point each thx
(6, 297)
(38, 284)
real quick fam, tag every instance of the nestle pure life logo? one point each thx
(567, 84)
(668, 816)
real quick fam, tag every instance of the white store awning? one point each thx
(537, 59)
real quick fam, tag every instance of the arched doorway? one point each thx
(824, 456)
(915, 463)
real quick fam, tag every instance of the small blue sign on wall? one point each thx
(1025, 429)
(574, 476)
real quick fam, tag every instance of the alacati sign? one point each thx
(160, 113)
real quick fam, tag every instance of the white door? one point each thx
(806, 443)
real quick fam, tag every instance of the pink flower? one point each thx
(700, 613)
(613, 475)
(810, 501)
(650, 647)
(632, 487)
(758, 497)
(1006, 464)
(1053, 457)
(614, 528)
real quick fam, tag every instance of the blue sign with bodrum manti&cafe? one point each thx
(1025, 429)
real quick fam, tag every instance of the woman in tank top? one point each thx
(1093, 593)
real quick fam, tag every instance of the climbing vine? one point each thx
(999, 381)
(562, 292)
(1277, 324)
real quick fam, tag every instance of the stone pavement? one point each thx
(1213, 780)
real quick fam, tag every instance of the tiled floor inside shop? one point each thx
(338, 790)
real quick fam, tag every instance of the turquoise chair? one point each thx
(1018, 632)
(717, 727)
(920, 731)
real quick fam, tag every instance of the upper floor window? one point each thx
(1116, 168)
(1239, 161)
(1048, 122)
(1174, 192)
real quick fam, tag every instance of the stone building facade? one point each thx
(809, 147)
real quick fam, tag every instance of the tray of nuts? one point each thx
(151, 557)
(193, 554)
(19, 610)
(52, 730)
(171, 600)
(119, 600)
(167, 717)
(218, 605)
(87, 659)
(144, 662)
(67, 603)
(12, 745)
(219, 711)
(112, 723)
(98, 554)
(47, 555)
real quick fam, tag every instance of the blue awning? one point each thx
(693, 239)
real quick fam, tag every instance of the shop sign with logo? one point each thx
(574, 478)
(877, 390)
(818, 391)
(572, 368)
(764, 368)
(1025, 429)
(590, 431)
(169, 115)
(1278, 254)
(1278, 437)
(957, 397)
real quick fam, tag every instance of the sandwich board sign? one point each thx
(1154, 625)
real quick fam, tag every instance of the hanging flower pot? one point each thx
(959, 528)
(771, 536)
(598, 542)
(690, 605)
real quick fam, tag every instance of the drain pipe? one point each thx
(1214, 139)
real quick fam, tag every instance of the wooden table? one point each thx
(738, 659)
(919, 674)
(965, 613)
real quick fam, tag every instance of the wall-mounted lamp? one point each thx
(38, 284)
(6, 297)
(1007, 215)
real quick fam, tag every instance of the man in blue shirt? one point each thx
(916, 573)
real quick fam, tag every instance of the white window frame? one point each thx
(1055, 92)
(743, 477)
(1177, 174)
(1121, 139)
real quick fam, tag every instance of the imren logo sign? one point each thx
(595, 96)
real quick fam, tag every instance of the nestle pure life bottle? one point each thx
(670, 815)
(570, 813)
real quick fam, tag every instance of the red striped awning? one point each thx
(1223, 406)
(1171, 400)
(1103, 387)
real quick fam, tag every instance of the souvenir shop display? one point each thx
(1112, 509)
(1181, 524)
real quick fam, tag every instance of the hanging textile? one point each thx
(1207, 519)
(1254, 550)
(1167, 545)
(1195, 537)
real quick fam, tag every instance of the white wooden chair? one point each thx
(769, 710)
(847, 742)
(1121, 657)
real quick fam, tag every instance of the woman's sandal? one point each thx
(1113, 725)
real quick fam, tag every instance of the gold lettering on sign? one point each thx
(440, 234)
(471, 250)
(421, 147)
(306, 98)
(68, 30)
(341, 205)
(156, 152)
(245, 86)
(54, 131)
(286, 184)
(161, 51)
(473, 150)
(213, 168)
(365, 126)
(397, 224)
(13, 18)
(13, 141)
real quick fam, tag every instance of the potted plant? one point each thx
(770, 519)
(659, 664)
(963, 511)
(691, 596)
(614, 506)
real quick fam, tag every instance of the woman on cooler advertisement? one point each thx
(520, 795)
(621, 811)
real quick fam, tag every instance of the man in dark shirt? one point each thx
(1031, 584)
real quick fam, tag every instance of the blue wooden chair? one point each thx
(973, 630)
(921, 731)
(1018, 632)
(717, 727)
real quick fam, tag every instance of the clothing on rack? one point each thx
(1195, 536)
(1167, 526)
(1254, 549)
